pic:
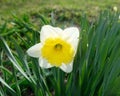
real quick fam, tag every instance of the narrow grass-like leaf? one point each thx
(22, 59)
(12, 59)
(4, 83)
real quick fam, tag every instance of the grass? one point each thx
(96, 70)
(90, 7)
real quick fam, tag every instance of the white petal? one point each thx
(34, 51)
(44, 64)
(67, 67)
(71, 35)
(48, 31)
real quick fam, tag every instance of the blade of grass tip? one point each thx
(4, 83)
(12, 58)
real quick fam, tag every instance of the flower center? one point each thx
(58, 46)
(57, 51)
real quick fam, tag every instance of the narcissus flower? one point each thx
(57, 47)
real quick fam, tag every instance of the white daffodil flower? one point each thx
(57, 47)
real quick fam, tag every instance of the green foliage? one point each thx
(96, 70)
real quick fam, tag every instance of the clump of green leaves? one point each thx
(96, 69)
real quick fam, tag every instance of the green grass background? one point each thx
(19, 7)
